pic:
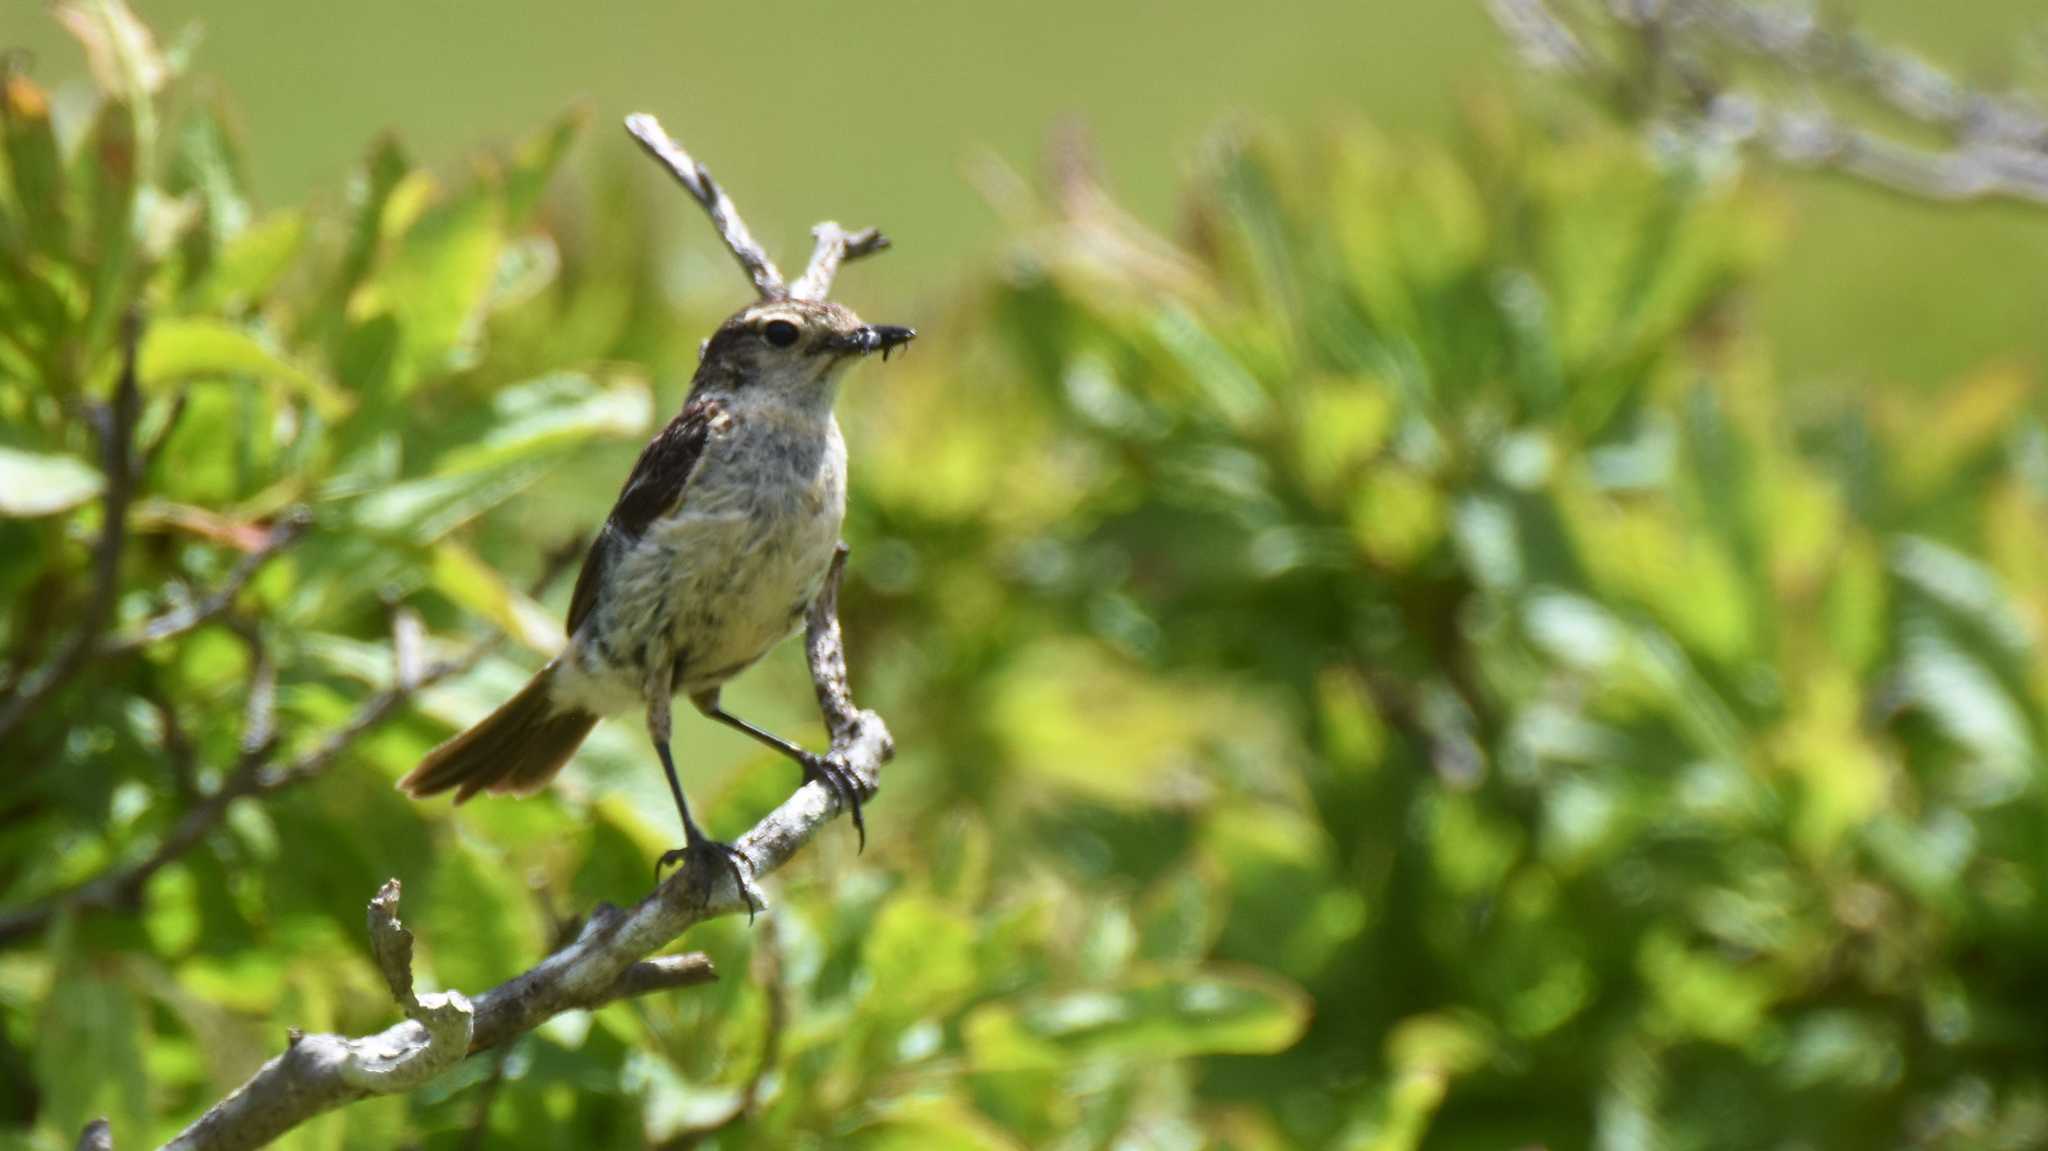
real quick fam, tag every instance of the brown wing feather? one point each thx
(654, 489)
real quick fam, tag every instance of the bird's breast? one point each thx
(713, 586)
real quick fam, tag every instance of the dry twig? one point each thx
(210, 606)
(1688, 65)
(834, 244)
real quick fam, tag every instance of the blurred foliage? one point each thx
(1391, 669)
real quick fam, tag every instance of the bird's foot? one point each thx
(844, 783)
(702, 857)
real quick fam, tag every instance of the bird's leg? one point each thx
(699, 852)
(839, 779)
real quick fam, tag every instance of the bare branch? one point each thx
(1544, 41)
(835, 245)
(98, 1136)
(259, 708)
(255, 775)
(1684, 62)
(182, 759)
(210, 606)
(664, 973)
(696, 179)
(610, 958)
(408, 646)
(446, 1017)
(825, 649)
(117, 459)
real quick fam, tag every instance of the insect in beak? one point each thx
(883, 338)
(889, 337)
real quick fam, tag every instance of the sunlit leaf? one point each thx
(111, 166)
(89, 1051)
(920, 957)
(181, 349)
(534, 162)
(938, 1125)
(458, 574)
(251, 262)
(426, 509)
(438, 277)
(528, 420)
(36, 484)
(1210, 1012)
(34, 166)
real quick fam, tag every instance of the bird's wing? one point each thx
(655, 489)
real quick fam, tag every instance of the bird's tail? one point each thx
(515, 749)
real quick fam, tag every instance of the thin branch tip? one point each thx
(834, 245)
(391, 943)
(696, 179)
(97, 1136)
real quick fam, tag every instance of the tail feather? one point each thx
(515, 750)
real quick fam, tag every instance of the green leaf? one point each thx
(371, 193)
(1077, 718)
(188, 348)
(919, 956)
(458, 574)
(34, 165)
(1217, 376)
(485, 930)
(552, 413)
(206, 172)
(437, 280)
(36, 484)
(524, 435)
(932, 1124)
(1178, 918)
(250, 263)
(88, 1052)
(534, 162)
(110, 165)
(426, 509)
(1210, 1012)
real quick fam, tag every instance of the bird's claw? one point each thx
(844, 783)
(700, 855)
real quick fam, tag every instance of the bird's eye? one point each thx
(780, 333)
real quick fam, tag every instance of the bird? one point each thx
(720, 539)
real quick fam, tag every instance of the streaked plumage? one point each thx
(720, 539)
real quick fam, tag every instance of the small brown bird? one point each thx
(719, 541)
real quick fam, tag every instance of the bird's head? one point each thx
(791, 349)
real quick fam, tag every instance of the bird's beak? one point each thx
(883, 338)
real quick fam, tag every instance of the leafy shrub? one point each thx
(1390, 669)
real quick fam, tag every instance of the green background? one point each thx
(882, 112)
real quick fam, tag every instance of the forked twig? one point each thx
(834, 246)
(696, 179)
